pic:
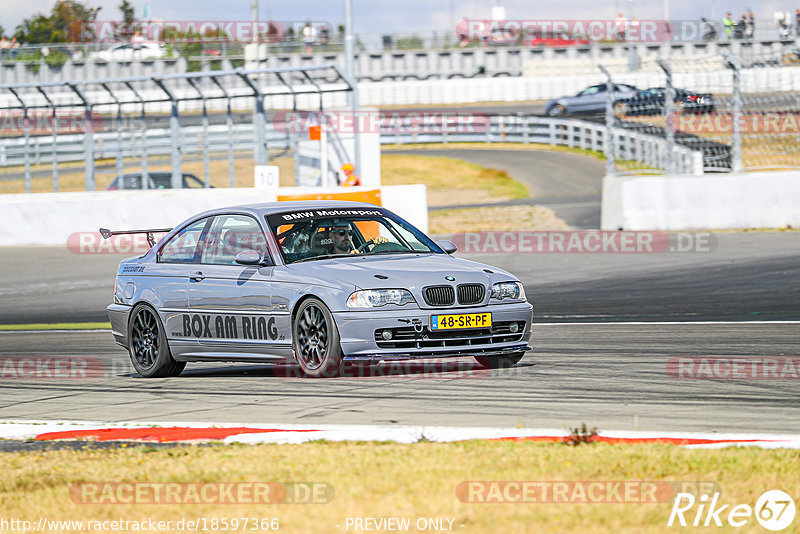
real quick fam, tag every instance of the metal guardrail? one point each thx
(86, 96)
(647, 150)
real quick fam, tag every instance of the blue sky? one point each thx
(406, 16)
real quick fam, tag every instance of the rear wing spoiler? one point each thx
(106, 233)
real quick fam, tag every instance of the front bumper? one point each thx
(358, 332)
(118, 315)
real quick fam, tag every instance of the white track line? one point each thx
(48, 331)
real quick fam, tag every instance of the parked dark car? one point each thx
(590, 100)
(651, 102)
(158, 180)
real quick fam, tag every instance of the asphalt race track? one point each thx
(573, 195)
(611, 376)
(607, 327)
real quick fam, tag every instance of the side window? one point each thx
(182, 248)
(229, 235)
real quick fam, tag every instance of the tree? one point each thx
(128, 21)
(127, 11)
(63, 24)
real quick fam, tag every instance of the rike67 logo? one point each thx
(774, 510)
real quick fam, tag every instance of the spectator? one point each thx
(727, 22)
(462, 33)
(740, 28)
(619, 27)
(4, 46)
(709, 31)
(783, 28)
(323, 37)
(351, 179)
(751, 24)
(308, 37)
(14, 47)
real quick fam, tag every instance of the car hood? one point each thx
(401, 272)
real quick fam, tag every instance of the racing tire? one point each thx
(499, 362)
(147, 345)
(557, 110)
(315, 340)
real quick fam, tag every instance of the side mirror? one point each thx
(251, 257)
(447, 246)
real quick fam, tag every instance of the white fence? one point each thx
(401, 64)
(436, 92)
(675, 202)
(73, 218)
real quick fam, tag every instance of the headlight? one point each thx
(375, 298)
(508, 290)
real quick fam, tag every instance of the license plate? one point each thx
(465, 320)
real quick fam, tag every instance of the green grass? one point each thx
(390, 479)
(56, 326)
(497, 146)
(448, 174)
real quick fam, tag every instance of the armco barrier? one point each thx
(679, 202)
(631, 145)
(50, 218)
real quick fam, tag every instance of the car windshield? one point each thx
(329, 233)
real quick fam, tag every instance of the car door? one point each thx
(590, 98)
(231, 305)
(175, 262)
(121, 53)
